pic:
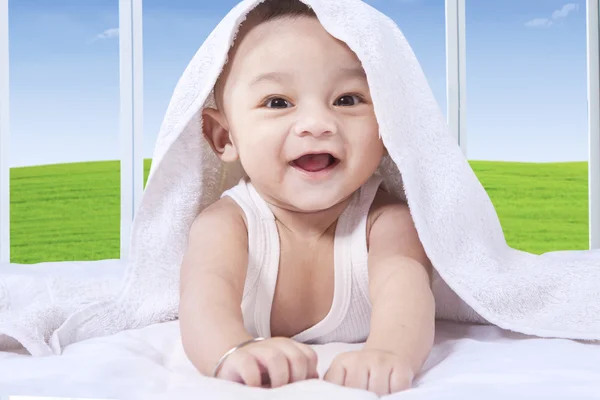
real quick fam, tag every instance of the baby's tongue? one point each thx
(313, 162)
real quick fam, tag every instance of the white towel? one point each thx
(36, 299)
(554, 294)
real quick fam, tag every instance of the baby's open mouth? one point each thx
(315, 162)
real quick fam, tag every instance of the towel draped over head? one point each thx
(478, 277)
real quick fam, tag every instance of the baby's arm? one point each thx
(403, 316)
(213, 273)
(403, 309)
(212, 283)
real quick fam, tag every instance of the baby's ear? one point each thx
(216, 131)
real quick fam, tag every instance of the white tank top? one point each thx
(349, 318)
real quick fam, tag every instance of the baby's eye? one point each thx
(277, 102)
(348, 100)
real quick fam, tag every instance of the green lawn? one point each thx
(71, 211)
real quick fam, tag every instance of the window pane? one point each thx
(175, 29)
(423, 23)
(64, 63)
(527, 118)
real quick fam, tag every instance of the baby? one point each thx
(308, 248)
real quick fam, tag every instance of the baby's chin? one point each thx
(307, 203)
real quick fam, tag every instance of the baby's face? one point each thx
(300, 115)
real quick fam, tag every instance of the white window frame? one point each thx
(457, 100)
(4, 137)
(132, 114)
(456, 73)
(131, 121)
(131, 111)
(593, 89)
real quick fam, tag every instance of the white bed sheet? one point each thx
(467, 362)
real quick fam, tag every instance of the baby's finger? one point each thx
(276, 364)
(379, 381)
(357, 376)
(400, 381)
(336, 374)
(297, 360)
(246, 366)
(312, 358)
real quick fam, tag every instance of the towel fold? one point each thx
(36, 299)
(478, 276)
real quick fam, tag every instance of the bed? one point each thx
(467, 362)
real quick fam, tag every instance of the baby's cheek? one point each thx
(259, 159)
(370, 155)
(372, 145)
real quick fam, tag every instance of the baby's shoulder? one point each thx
(392, 231)
(385, 205)
(224, 212)
(384, 202)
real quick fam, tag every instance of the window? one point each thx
(71, 113)
(64, 136)
(527, 118)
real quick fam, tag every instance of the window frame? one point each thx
(131, 62)
(593, 93)
(4, 136)
(456, 74)
(131, 70)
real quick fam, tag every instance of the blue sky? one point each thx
(526, 73)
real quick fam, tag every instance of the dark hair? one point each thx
(268, 10)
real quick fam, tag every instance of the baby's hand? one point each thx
(270, 363)
(377, 371)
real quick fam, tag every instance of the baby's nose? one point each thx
(315, 124)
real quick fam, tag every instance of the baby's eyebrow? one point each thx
(353, 72)
(280, 77)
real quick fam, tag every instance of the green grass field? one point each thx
(67, 212)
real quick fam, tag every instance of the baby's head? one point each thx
(294, 107)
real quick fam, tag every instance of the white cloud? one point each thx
(565, 10)
(107, 34)
(538, 22)
(557, 15)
